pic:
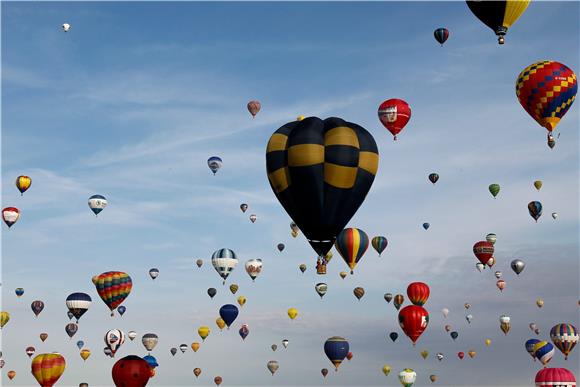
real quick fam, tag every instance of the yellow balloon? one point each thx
(4, 318)
(424, 354)
(292, 313)
(343, 274)
(220, 323)
(241, 300)
(85, 353)
(203, 332)
(471, 354)
(487, 342)
(540, 302)
(299, 118)
(538, 184)
(386, 369)
(195, 346)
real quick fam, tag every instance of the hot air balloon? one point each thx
(336, 348)
(273, 366)
(173, 351)
(445, 312)
(199, 262)
(197, 372)
(491, 262)
(379, 244)
(97, 203)
(554, 215)
(47, 368)
(460, 355)
(4, 318)
(426, 226)
(343, 274)
(211, 292)
(80, 344)
(324, 372)
(321, 289)
(132, 335)
(398, 301)
(483, 250)
(441, 35)
(242, 300)
(292, 313)
(203, 332)
(66, 27)
(546, 90)
(407, 377)
(149, 341)
(439, 356)
(349, 356)
(234, 288)
(113, 288)
(11, 374)
(253, 218)
(388, 297)
(535, 210)
(244, 331)
(217, 380)
(224, 262)
(517, 266)
(413, 320)
(23, 183)
(551, 141)
(469, 317)
(114, 339)
(214, 163)
(37, 307)
(229, 313)
(253, 268)
(505, 324)
(71, 329)
(471, 353)
(479, 266)
(243, 207)
(565, 337)
(538, 184)
(19, 292)
(433, 378)
(254, 107)
(274, 347)
(394, 336)
(302, 267)
(418, 293)
(195, 346)
(85, 353)
(433, 178)
(498, 15)
(467, 305)
(530, 344)
(544, 351)
(488, 342)
(183, 348)
(2, 363)
(285, 343)
(78, 304)
(153, 273)
(10, 215)
(43, 336)
(500, 285)
(359, 292)
(386, 369)
(424, 354)
(330, 159)
(394, 114)
(280, 247)
(294, 229)
(351, 244)
(454, 335)
(491, 238)
(494, 189)
(548, 377)
(539, 302)
(30, 351)
(131, 371)
(121, 309)
(447, 328)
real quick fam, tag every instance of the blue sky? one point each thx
(134, 99)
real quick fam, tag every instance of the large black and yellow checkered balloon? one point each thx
(321, 171)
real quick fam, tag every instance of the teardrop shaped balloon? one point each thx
(330, 159)
(221, 324)
(394, 114)
(254, 107)
(321, 288)
(538, 184)
(113, 288)
(407, 377)
(535, 210)
(517, 266)
(37, 307)
(224, 262)
(244, 331)
(324, 372)
(413, 320)
(491, 238)
(273, 366)
(351, 244)
(214, 163)
(43, 336)
(498, 15)
(241, 300)
(173, 351)
(343, 274)
(424, 354)
(359, 292)
(10, 215)
(388, 297)
(199, 262)
(203, 332)
(483, 251)
(543, 351)
(243, 207)
(234, 288)
(433, 178)
(539, 302)
(546, 90)
(379, 244)
(229, 313)
(426, 226)
(494, 189)
(336, 348)
(195, 346)
(398, 301)
(302, 267)
(23, 183)
(292, 313)
(393, 336)
(211, 292)
(197, 372)
(154, 273)
(253, 268)
(565, 337)
(386, 369)
(418, 293)
(97, 203)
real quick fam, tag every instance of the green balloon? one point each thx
(494, 189)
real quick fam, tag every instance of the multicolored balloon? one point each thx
(441, 35)
(254, 107)
(351, 244)
(565, 337)
(535, 210)
(544, 351)
(114, 339)
(379, 244)
(78, 304)
(224, 262)
(548, 377)
(97, 203)
(10, 215)
(214, 163)
(407, 377)
(113, 288)
(418, 293)
(23, 183)
(47, 368)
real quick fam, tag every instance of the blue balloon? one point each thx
(530, 347)
(121, 309)
(151, 361)
(393, 336)
(228, 313)
(426, 226)
(336, 348)
(244, 331)
(535, 210)
(78, 304)
(19, 292)
(80, 344)
(544, 352)
(214, 163)
(454, 335)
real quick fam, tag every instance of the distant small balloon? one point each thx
(199, 262)
(517, 266)
(302, 267)
(253, 218)
(388, 297)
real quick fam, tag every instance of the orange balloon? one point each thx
(195, 346)
(11, 374)
(47, 368)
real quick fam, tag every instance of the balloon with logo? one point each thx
(131, 371)
(47, 368)
(321, 289)
(565, 337)
(37, 307)
(97, 203)
(394, 114)
(10, 215)
(333, 160)
(336, 348)
(530, 344)
(113, 288)
(483, 251)
(407, 377)
(214, 163)
(30, 351)
(546, 90)
(244, 331)
(71, 329)
(413, 320)
(504, 324)
(114, 339)
(253, 268)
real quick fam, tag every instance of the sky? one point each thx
(132, 101)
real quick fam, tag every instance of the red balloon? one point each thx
(349, 356)
(394, 115)
(131, 371)
(460, 355)
(418, 293)
(217, 380)
(554, 377)
(413, 320)
(483, 250)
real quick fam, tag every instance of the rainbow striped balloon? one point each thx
(47, 368)
(565, 337)
(113, 287)
(352, 243)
